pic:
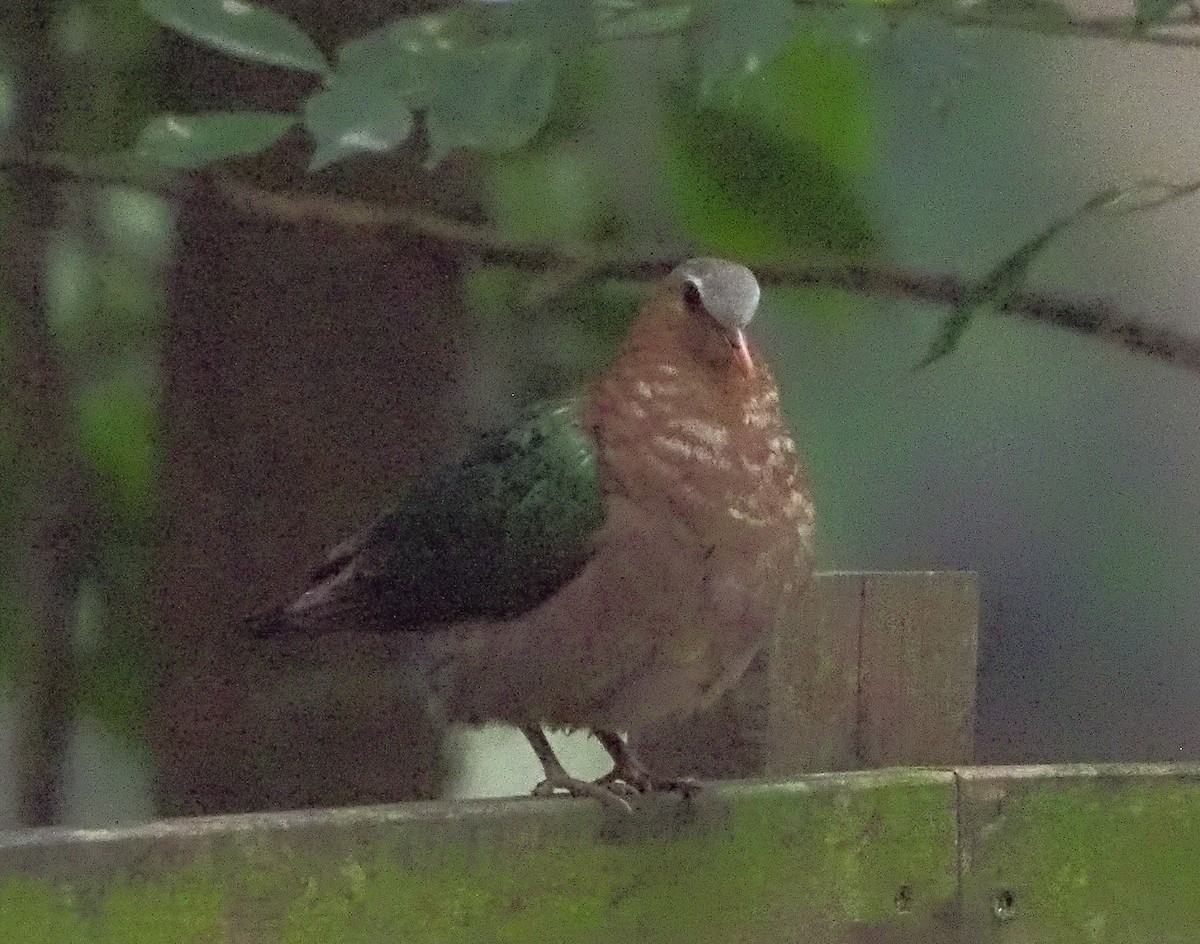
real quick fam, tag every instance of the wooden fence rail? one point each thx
(956, 856)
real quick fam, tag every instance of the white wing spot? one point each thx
(747, 516)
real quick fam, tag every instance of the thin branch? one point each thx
(1093, 317)
(1085, 316)
(1175, 31)
(112, 170)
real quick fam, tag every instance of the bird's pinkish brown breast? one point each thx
(709, 501)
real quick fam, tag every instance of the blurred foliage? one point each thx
(187, 142)
(105, 311)
(103, 303)
(483, 76)
(767, 166)
(1150, 12)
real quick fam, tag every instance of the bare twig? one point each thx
(1175, 31)
(1085, 316)
(1093, 317)
(102, 169)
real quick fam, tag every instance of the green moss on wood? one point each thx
(747, 864)
(1105, 856)
(42, 912)
(181, 908)
(1090, 859)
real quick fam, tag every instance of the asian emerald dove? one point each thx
(610, 561)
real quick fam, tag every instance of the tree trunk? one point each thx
(53, 515)
(309, 374)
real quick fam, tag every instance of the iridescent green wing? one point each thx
(492, 534)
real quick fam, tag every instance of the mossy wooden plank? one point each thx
(1067, 854)
(834, 858)
(1054, 855)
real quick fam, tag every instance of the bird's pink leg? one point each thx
(631, 772)
(558, 779)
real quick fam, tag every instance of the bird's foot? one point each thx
(564, 783)
(629, 775)
(632, 779)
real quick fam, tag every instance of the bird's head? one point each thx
(713, 300)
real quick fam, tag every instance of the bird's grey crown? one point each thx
(728, 291)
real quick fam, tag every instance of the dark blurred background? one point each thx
(198, 395)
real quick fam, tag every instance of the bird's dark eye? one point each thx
(691, 298)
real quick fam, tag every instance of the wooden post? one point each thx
(916, 669)
(879, 671)
(812, 679)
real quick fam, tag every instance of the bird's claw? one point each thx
(583, 788)
(636, 780)
(618, 786)
(686, 787)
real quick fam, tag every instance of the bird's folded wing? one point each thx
(490, 535)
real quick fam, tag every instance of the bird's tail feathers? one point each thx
(339, 599)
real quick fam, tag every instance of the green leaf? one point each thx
(380, 78)
(400, 54)
(243, 30)
(738, 37)
(771, 167)
(477, 91)
(186, 142)
(355, 119)
(999, 286)
(949, 335)
(495, 98)
(996, 289)
(1150, 12)
(760, 194)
